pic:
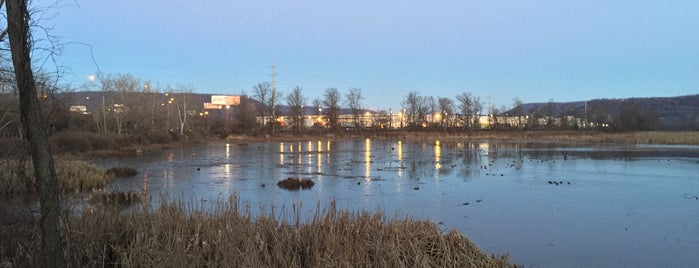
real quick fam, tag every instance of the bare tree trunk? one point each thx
(36, 130)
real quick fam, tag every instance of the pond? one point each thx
(546, 204)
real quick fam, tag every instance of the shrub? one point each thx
(122, 172)
(73, 176)
(80, 142)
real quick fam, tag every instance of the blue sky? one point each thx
(532, 50)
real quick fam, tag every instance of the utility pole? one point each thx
(274, 95)
(490, 112)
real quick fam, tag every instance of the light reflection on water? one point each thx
(614, 206)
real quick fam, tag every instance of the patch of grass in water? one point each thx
(295, 184)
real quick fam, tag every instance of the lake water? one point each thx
(546, 204)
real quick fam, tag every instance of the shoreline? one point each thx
(582, 137)
(563, 136)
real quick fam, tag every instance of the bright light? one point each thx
(91, 77)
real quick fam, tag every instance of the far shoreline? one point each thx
(562, 136)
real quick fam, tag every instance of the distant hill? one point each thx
(672, 112)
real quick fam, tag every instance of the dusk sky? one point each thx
(533, 50)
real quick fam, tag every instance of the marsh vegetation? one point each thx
(224, 233)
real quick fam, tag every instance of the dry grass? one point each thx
(568, 136)
(17, 177)
(654, 137)
(178, 235)
(122, 172)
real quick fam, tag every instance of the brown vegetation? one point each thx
(178, 235)
(73, 176)
(582, 137)
(115, 198)
(295, 184)
(569, 136)
(122, 172)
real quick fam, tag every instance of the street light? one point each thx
(167, 123)
(390, 118)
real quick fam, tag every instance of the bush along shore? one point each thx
(74, 176)
(186, 235)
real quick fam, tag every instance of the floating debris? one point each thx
(558, 182)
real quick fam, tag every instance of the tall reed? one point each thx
(17, 176)
(179, 234)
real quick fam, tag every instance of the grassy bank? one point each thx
(178, 235)
(74, 176)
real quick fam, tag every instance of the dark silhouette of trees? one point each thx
(446, 108)
(296, 103)
(353, 100)
(36, 129)
(632, 118)
(245, 116)
(470, 108)
(261, 93)
(332, 104)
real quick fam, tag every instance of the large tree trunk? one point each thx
(36, 133)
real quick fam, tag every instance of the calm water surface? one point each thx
(548, 205)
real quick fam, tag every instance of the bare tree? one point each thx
(550, 113)
(127, 103)
(431, 106)
(418, 107)
(465, 108)
(332, 104)
(296, 103)
(317, 105)
(353, 101)
(412, 101)
(261, 93)
(271, 104)
(318, 110)
(446, 107)
(470, 107)
(477, 107)
(182, 102)
(36, 131)
(245, 115)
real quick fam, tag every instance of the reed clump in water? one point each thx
(73, 176)
(295, 184)
(122, 172)
(179, 235)
(115, 198)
